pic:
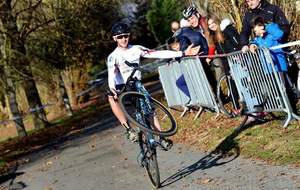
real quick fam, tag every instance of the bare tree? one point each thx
(19, 19)
(8, 84)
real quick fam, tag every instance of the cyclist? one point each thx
(118, 71)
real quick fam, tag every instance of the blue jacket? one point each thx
(271, 38)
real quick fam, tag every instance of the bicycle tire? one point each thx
(150, 161)
(223, 95)
(127, 96)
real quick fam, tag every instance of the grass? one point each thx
(269, 141)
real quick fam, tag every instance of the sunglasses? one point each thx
(122, 36)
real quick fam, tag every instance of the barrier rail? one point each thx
(190, 72)
(258, 83)
(25, 114)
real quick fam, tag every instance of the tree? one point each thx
(141, 33)
(161, 14)
(9, 87)
(78, 39)
(19, 20)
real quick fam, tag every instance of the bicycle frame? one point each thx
(145, 108)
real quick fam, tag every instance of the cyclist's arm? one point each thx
(110, 68)
(162, 54)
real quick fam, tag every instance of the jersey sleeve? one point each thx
(110, 69)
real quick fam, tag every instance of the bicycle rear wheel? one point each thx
(147, 114)
(224, 95)
(150, 161)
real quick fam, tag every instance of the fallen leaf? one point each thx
(203, 181)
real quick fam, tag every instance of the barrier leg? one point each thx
(288, 119)
(198, 113)
(184, 111)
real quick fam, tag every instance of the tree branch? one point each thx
(26, 34)
(31, 8)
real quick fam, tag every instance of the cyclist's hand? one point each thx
(245, 49)
(114, 93)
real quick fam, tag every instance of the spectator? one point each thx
(175, 26)
(226, 39)
(194, 36)
(269, 12)
(199, 23)
(269, 35)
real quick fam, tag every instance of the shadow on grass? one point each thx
(227, 151)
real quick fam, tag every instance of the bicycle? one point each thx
(225, 96)
(148, 115)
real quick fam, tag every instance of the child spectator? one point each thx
(269, 35)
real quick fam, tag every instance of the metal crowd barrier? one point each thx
(200, 92)
(259, 85)
(168, 75)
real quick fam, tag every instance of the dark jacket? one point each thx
(195, 38)
(231, 40)
(270, 13)
(184, 42)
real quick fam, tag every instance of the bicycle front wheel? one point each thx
(150, 161)
(148, 114)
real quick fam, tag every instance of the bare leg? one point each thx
(156, 123)
(115, 106)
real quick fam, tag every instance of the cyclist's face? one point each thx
(252, 4)
(194, 21)
(122, 40)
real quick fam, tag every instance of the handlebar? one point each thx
(136, 66)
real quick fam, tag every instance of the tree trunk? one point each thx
(35, 104)
(65, 96)
(20, 62)
(13, 105)
(11, 93)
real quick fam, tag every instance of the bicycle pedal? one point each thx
(165, 145)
